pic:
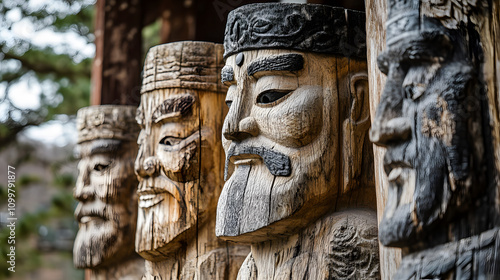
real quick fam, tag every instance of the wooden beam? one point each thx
(117, 64)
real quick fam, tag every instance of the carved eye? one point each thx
(228, 103)
(270, 96)
(101, 167)
(170, 141)
(413, 91)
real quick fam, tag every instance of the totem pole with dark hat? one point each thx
(433, 121)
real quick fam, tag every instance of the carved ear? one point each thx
(355, 129)
(359, 89)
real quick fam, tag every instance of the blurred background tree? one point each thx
(46, 50)
(57, 75)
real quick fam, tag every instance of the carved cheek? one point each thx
(180, 165)
(295, 122)
(99, 184)
(121, 187)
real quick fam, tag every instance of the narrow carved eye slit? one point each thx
(413, 91)
(100, 167)
(170, 141)
(228, 103)
(270, 96)
(408, 92)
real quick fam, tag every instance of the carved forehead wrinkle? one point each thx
(99, 146)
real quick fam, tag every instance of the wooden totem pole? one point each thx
(180, 164)
(106, 191)
(434, 119)
(299, 170)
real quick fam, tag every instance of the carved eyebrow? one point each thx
(284, 62)
(173, 107)
(227, 74)
(103, 146)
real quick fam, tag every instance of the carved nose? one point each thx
(83, 191)
(393, 130)
(246, 128)
(150, 166)
(147, 168)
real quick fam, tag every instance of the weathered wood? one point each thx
(106, 191)
(180, 164)
(339, 246)
(376, 16)
(435, 119)
(298, 117)
(117, 64)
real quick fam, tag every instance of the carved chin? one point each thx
(96, 244)
(253, 198)
(158, 226)
(413, 206)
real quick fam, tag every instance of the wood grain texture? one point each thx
(436, 119)
(180, 165)
(105, 189)
(376, 16)
(474, 257)
(130, 269)
(116, 67)
(339, 246)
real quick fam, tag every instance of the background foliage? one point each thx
(61, 72)
(57, 78)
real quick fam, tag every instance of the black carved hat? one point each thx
(404, 23)
(303, 27)
(412, 35)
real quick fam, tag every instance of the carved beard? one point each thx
(160, 226)
(101, 242)
(420, 196)
(253, 198)
(167, 214)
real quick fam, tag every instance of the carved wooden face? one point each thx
(176, 155)
(422, 120)
(107, 208)
(281, 140)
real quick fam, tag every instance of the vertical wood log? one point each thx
(438, 120)
(117, 65)
(192, 20)
(180, 164)
(106, 191)
(376, 15)
(299, 168)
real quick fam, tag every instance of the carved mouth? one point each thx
(87, 215)
(277, 163)
(152, 191)
(245, 159)
(402, 180)
(88, 219)
(149, 200)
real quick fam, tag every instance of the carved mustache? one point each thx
(99, 211)
(277, 163)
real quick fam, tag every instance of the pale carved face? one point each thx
(107, 208)
(171, 145)
(281, 140)
(422, 120)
